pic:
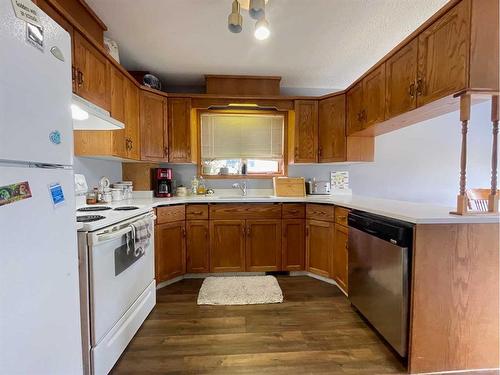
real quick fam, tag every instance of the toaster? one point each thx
(317, 187)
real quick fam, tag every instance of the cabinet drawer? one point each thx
(245, 211)
(341, 215)
(197, 212)
(169, 214)
(294, 211)
(320, 212)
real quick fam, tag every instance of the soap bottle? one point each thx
(194, 186)
(202, 189)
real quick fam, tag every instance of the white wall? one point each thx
(419, 163)
(94, 169)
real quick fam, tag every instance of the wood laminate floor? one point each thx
(314, 331)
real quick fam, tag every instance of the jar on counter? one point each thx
(92, 197)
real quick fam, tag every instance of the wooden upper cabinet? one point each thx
(170, 250)
(227, 245)
(331, 130)
(263, 245)
(305, 132)
(117, 94)
(179, 129)
(198, 246)
(355, 108)
(443, 54)
(293, 244)
(374, 97)
(153, 125)
(400, 82)
(93, 80)
(319, 246)
(132, 132)
(340, 256)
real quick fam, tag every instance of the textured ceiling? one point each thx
(319, 45)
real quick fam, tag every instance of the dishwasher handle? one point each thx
(391, 230)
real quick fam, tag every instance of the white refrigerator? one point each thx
(39, 288)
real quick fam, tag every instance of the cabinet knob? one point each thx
(420, 87)
(165, 150)
(411, 90)
(80, 78)
(296, 152)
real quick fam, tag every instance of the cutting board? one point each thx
(289, 186)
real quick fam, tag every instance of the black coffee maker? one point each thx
(163, 183)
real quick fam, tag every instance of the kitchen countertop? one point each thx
(417, 213)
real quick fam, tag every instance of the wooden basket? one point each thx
(289, 186)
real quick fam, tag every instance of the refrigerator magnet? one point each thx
(56, 194)
(14, 192)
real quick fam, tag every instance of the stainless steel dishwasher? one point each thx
(379, 274)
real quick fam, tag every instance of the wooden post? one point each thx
(465, 104)
(493, 197)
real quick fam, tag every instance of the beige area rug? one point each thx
(240, 290)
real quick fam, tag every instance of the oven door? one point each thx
(117, 275)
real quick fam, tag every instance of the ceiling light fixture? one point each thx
(257, 10)
(235, 20)
(262, 29)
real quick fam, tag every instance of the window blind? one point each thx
(241, 136)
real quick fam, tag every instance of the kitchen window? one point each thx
(242, 144)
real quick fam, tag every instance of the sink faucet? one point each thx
(242, 186)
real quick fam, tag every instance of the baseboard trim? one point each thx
(204, 275)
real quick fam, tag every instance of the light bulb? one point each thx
(262, 29)
(78, 114)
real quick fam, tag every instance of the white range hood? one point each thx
(88, 116)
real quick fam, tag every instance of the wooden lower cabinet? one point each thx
(227, 245)
(263, 245)
(293, 244)
(198, 246)
(319, 246)
(170, 249)
(340, 256)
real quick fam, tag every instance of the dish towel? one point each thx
(141, 235)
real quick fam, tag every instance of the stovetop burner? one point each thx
(126, 208)
(89, 218)
(94, 208)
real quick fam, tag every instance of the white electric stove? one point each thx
(117, 285)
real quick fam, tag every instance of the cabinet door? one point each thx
(93, 73)
(306, 131)
(198, 246)
(227, 245)
(179, 128)
(319, 247)
(400, 80)
(293, 244)
(339, 262)
(170, 250)
(443, 50)
(153, 124)
(263, 245)
(355, 109)
(132, 141)
(117, 94)
(331, 129)
(374, 97)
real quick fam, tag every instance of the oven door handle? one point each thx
(114, 235)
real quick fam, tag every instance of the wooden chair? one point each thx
(477, 199)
